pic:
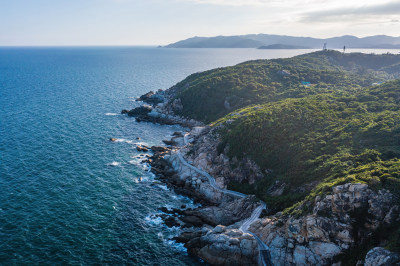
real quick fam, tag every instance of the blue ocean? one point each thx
(67, 194)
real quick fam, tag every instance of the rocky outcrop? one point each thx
(223, 246)
(208, 153)
(143, 148)
(140, 111)
(152, 98)
(226, 213)
(170, 142)
(147, 113)
(343, 219)
(162, 110)
(381, 257)
(193, 183)
(213, 232)
(176, 105)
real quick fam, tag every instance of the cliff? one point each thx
(316, 137)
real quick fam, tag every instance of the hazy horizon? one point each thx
(157, 22)
(156, 45)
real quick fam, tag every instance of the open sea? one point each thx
(67, 194)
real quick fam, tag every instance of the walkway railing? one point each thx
(264, 253)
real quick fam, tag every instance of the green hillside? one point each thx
(210, 95)
(330, 121)
(328, 139)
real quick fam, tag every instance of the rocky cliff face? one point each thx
(333, 224)
(205, 155)
(345, 218)
(211, 231)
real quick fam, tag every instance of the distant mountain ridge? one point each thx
(257, 40)
(283, 46)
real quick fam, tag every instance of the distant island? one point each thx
(283, 46)
(259, 40)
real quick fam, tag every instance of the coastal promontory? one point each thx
(314, 138)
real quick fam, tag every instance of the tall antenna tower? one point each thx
(324, 48)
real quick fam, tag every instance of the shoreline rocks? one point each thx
(157, 111)
(152, 98)
(332, 225)
(314, 238)
(218, 218)
(146, 113)
(143, 148)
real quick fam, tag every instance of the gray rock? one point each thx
(379, 256)
(141, 110)
(328, 230)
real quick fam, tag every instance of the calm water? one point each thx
(67, 194)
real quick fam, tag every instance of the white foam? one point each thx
(114, 164)
(189, 202)
(143, 166)
(111, 114)
(141, 143)
(169, 207)
(178, 246)
(163, 187)
(153, 219)
(124, 140)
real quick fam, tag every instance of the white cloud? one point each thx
(354, 13)
(234, 2)
(300, 4)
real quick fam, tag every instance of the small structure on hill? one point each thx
(284, 73)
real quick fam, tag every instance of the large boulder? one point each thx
(146, 96)
(152, 98)
(381, 257)
(224, 246)
(226, 213)
(140, 111)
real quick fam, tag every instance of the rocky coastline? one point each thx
(336, 222)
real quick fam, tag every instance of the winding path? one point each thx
(265, 255)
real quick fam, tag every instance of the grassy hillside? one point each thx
(210, 95)
(327, 139)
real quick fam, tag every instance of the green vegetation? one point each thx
(321, 139)
(205, 95)
(338, 129)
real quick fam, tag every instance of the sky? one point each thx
(159, 22)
